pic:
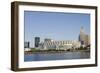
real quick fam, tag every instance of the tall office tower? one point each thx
(26, 44)
(82, 36)
(37, 41)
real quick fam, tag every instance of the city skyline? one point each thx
(54, 25)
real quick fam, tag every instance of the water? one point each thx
(56, 56)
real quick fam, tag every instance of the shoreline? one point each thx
(51, 52)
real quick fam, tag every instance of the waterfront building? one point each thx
(27, 46)
(84, 38)
(59, 45)
(37, 41)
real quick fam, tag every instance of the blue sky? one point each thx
(54, 25)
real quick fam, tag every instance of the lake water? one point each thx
(56, 56)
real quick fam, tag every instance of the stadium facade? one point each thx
(59, 45)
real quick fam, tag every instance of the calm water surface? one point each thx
(56, 56)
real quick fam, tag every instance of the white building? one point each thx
(59, 45)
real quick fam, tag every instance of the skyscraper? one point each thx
(37, 41)
(84, 38)
(26, 44)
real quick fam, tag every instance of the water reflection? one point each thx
(56, 56)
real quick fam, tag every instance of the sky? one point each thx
(54, 25)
